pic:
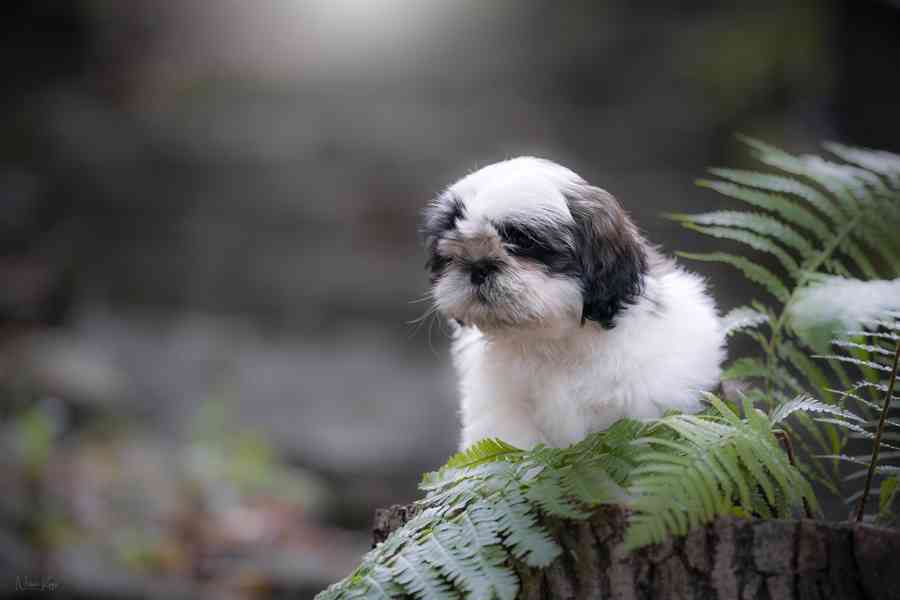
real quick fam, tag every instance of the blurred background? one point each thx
(210, 373)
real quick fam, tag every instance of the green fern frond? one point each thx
(876, 161)
(458, 563)
(865, 347)
(518, 521)
(544, 493)
(855, 361)
(674, 473)
(785, 208)
(805, 366)
(758, 223)
(875, 465)
(482, 451)
(757, 242)
(494, 578)
(589, 482)
(859, 258)
(876, 334)
(750, 269)
(852, 213)
(880, 235)
(852, 196)
(742, 318)
(417, 578)
(808, 404)
(479, 527)
(885, 323)
(745, 368)
(379, 584)
(841, 182)
(784, 185)
(716, 459)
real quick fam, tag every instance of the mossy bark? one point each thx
(730, 559)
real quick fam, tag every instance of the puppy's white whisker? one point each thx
(421, 318)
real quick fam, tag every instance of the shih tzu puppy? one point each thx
(566, 318)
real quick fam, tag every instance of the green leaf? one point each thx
(379, 585)
(502, 581)
(860, 258)
(879, 234)
(814, 375)
(479, 525)
(785, 185)
(480, 452)
(751, 270)
(808, 404)
(442, 551)
(742, 317)
(531, 544)
(836, 181)
(546, 492)
(756, 222)
(744, 368)
(589, 483)
(696, 477)
(855, 361)
(784, 207)
(877, 161)
(753, 240)
(418, 578)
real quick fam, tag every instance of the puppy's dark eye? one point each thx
(436, 265)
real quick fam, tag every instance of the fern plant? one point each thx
(486, 508)
(875, 351)
(823, 223)
(481, 510)
(717, 464)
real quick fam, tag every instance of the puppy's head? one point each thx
(527, 243)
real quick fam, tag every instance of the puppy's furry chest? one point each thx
(565, 408)
(569, 396)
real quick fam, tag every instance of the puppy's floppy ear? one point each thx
(440, 217)
(612, 253)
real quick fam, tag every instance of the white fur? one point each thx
(530, 371)
(556, 389)
(524, 185)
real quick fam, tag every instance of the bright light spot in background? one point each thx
(383, 33)
(307, 41)
(360, 21)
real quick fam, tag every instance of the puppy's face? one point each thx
(527, 243)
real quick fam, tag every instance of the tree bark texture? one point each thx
(730, 559)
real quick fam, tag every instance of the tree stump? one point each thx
(730, 559)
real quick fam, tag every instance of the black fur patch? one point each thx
(440, 218)
(543, 244)
(612, 253)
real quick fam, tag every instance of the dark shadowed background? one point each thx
(208, 251)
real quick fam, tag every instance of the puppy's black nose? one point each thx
(481, 270)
